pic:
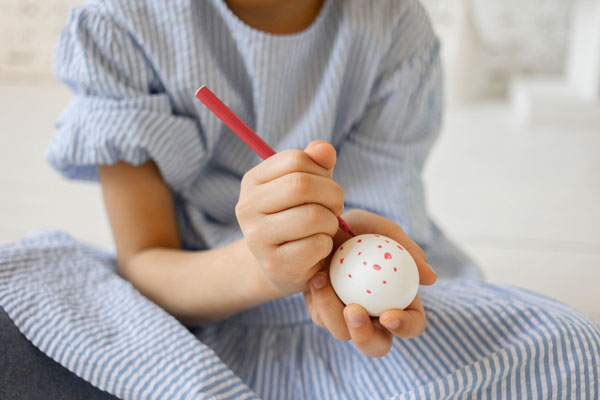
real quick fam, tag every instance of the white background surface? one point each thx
(522, 202)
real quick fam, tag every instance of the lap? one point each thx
(481, 340)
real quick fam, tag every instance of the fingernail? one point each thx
(319, 281)
(393, 323)
(355, 318)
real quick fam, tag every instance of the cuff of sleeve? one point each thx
(100, 131)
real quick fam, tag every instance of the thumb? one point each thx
(322, 153)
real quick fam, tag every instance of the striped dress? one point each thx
(364, 76)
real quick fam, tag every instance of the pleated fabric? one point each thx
(364, 76)
(482, 340)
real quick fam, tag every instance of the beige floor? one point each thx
(522, 202)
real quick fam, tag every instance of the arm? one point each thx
(187, 284)
(119, 117)
(287, 211)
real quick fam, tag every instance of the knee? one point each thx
(574, 345)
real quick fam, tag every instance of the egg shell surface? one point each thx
(375, 272)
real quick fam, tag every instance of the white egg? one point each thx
(375, 272)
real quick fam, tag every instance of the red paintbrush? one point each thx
(244, 132)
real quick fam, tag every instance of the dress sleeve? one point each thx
(381, 159)
(119, 109)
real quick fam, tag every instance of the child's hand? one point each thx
(287, 210)
(372, 336)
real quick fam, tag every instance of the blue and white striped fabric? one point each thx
(364, 76)
(482, 341)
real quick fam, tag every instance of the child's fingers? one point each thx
(310, 250)
(296, 223)
(330, 308)
(373, 223)
(284, 163)
(295, 189)
(366, 336)
(427, 275)
(407, 323)
(323, 153)
(312, 309)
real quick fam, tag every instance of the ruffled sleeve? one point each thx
(119, 109)
(381, 158)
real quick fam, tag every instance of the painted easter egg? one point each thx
(375, 272)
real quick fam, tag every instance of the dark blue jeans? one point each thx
(27, 373)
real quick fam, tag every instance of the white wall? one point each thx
(517, 36)
(28, 32)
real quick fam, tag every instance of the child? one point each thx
(349, 93)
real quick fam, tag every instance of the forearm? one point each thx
(200, 286)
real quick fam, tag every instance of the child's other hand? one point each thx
(287, 210)
(372, 336)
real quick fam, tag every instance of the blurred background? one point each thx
(514, 177)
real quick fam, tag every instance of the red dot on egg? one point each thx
(359, 240)
(384, 282)
(342, 248)
(341, 260)
(368, 291)
(359, 253)
(387, 241)
(400, 247)
(376, 267)
(395, 269)
(387, 256)
(380, 246)
(349, 275)
(364, 263)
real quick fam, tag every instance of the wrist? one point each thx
(258, 284)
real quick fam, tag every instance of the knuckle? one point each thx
(298, 183)
(339, 196)
(333, 224)
(277, 257)
(315, 214)
(324, 244)
(247, 178)
(241, 209)
(295, 159)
